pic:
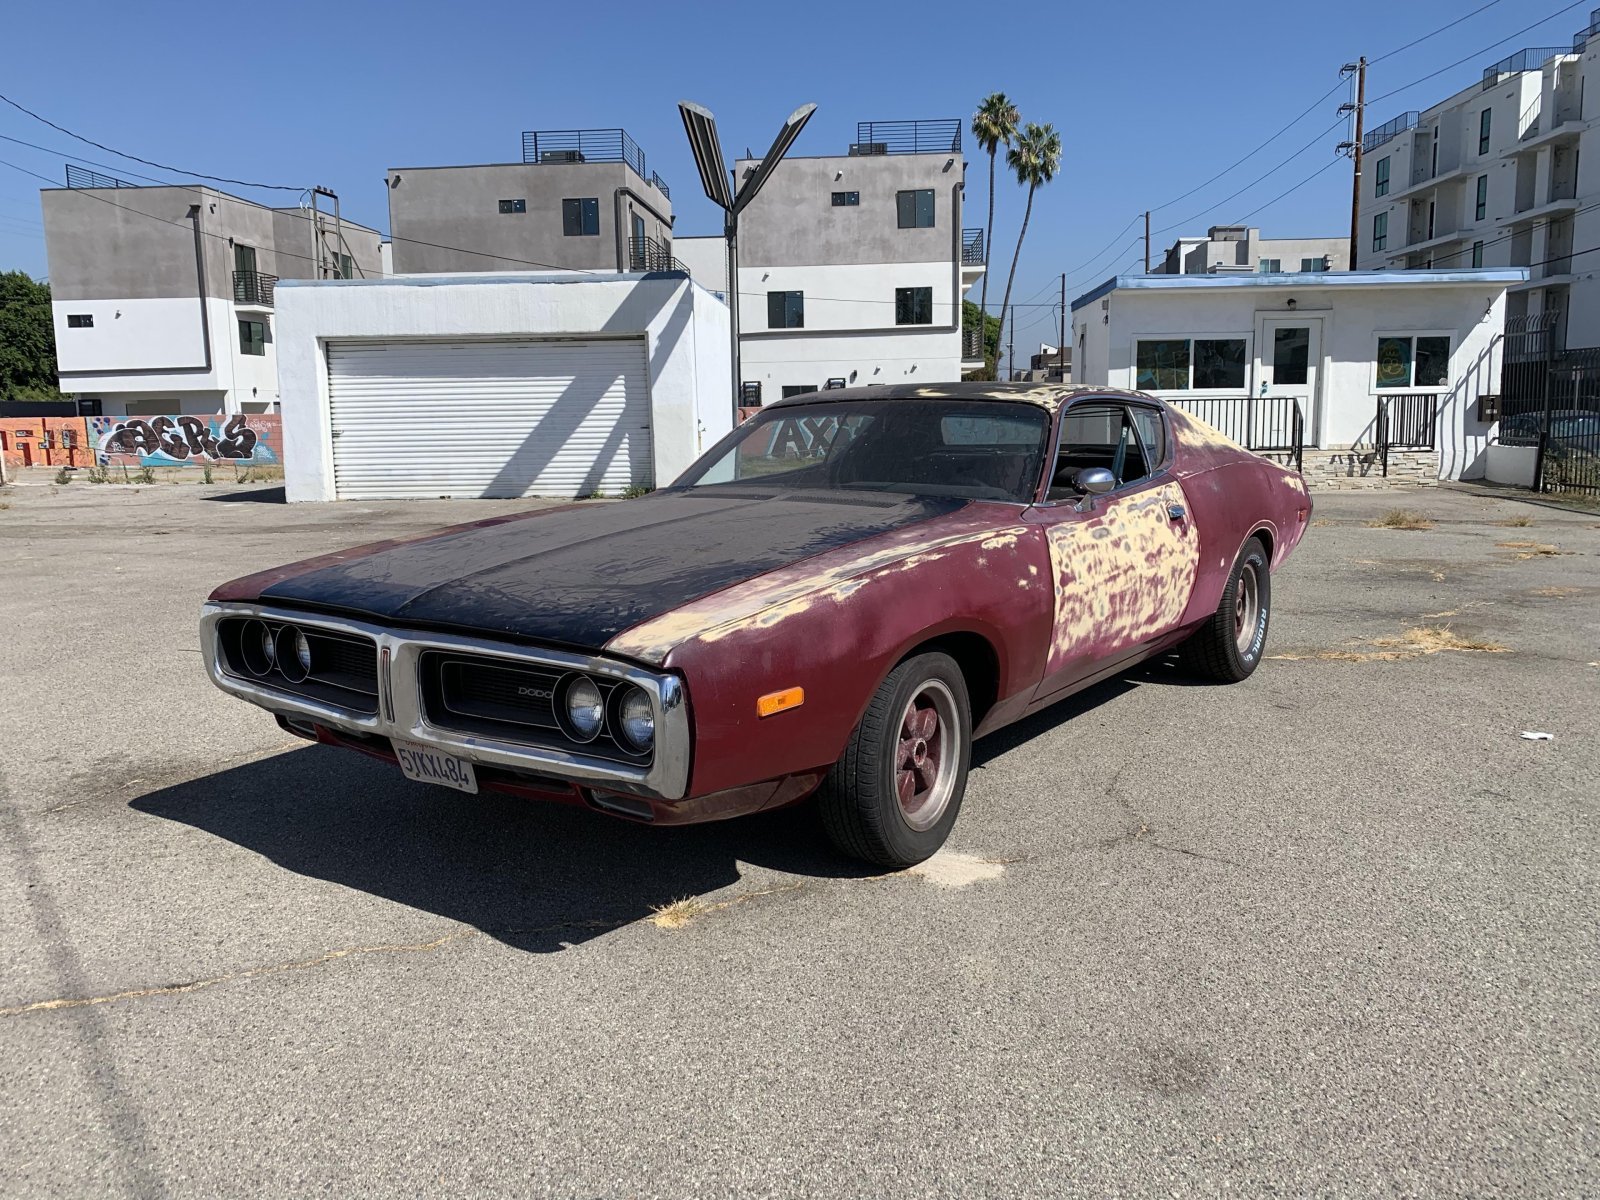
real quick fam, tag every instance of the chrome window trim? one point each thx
(400, 709)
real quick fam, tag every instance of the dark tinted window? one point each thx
(580, 217)
(915, 208)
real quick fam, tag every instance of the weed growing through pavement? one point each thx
(1401, 518)
(64, 476)
(1527, 550)
(1516, 522)
(1413, 643)
(206, 474)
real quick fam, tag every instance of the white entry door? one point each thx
(491, 418)
(1291, 355)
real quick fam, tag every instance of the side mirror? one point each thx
(1095, 481)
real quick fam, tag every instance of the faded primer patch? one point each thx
(948, 869)
(1122, 575)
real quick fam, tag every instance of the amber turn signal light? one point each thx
(777, 702)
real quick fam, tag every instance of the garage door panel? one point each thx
(489, 418)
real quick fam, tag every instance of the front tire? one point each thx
(1228, 647)
(894, 794)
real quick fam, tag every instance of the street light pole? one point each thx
(701, 128)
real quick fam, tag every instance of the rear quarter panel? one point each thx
(836, 625)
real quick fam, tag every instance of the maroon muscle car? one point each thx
(833, 602)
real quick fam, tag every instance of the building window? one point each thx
(347, 267)
(581, 217)
(1483, 197)
(1380, 231)
(846, 199)
(786, 310)
(1485, 120)
(513, 206)
(1381, 187)
(915, 208)
(913, 305)
(1477, 254)
(80, 320)
(1182, 364)
(798, 389)
(1405, 362)
(1314, 264)
(253, 337)
(1270, 266)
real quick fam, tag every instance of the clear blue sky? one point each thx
(1151, 98)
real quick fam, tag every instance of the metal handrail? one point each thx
(972, 248)
(583, 146)
(1377, 137)
(1258, 423)
(660, 185)
(253, 287)
(647, 254)
(1406, 421)
(79, 177)
(907, 137)
(1530, 59)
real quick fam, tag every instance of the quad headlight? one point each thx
(580, 708)
(635, 720)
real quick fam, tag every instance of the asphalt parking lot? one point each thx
(1328, 932)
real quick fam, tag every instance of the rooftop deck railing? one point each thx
(583, 146)
(1530, 59)
(907, 137)
(1374, 138)
(79, 177)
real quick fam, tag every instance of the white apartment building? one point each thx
(852, 267)
(1502, 174)
(1234, 249)
(164, 296)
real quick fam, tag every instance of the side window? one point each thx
(1151, 427)
(1100, 435)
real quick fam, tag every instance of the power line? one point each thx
(1479, 53)
(1282, 194)
(1435, 33)
(276, 187)
(1258, 179)
(89, 161)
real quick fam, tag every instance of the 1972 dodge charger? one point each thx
(834, 601)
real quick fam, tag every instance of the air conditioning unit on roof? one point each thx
(562, 156)
(863, 149)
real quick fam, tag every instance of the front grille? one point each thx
(343, 670)
(508, 701)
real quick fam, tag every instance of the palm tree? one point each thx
(1035, 157)
(994, 125)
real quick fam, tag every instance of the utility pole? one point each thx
(1061, 342)
(1359, 70)
(1011, 344)
(1147, 242)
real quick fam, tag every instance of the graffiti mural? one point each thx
(184, 440)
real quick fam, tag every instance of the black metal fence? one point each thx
(1261, 423)
(253, 287)
(80, 177)
(1406, 421)
(583, 145)
(1550, 400)
(907, 137)
(647, 254)
(972, 249)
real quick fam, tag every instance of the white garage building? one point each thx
(497, 385)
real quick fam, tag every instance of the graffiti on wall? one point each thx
(183, 440)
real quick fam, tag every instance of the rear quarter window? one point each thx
(989, 431)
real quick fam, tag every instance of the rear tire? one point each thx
(894, 794)
(1228, 647)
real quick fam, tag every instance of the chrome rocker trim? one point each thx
(400, 715)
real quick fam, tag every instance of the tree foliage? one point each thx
(991, 338)
(27, 339)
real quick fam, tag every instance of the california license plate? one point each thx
(427, 765)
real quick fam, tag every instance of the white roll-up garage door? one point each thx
(504, 418)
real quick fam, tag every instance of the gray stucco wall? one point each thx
(457, 209)
(793, 221)
(138, 243)
(294, 248)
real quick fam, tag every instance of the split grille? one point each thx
(493, 698)
(337, 669)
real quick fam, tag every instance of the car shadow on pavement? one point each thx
(534, 875)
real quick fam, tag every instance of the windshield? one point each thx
(974, 449)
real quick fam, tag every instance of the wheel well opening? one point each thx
(980, 667)
(1266, 540)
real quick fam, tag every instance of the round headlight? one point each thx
(583, 707)
(256, 647)
(636, 721)
(292, 653)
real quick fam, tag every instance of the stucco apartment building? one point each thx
(1230, 249)
(852, 266)
(1505, 173)
(163, 296)
(579, 200)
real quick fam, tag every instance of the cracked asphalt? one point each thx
(1330, 932)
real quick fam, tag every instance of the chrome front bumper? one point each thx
(400, 711)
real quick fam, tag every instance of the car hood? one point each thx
(579, 576)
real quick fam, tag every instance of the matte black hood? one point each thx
(581, 576)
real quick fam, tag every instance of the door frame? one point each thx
(1322, 319)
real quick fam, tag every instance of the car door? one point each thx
(1124, 562)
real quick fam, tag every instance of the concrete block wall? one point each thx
(1345, 469)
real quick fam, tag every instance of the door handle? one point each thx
(1176, 512)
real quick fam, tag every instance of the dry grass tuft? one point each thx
(1527, 550)
(679, 913)
(1555, 591)
(1516, 522)
(1321, 523)
(1401, 518)
(1413, 643)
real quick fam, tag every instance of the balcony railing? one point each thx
(1530, 59)
(647, 254)
(660, 185)
(1580, 40)
(77, 177)
(253, 287)
(907, 137)
(972, 248)
(971, 345)
(1374, 138)
(583, 146)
